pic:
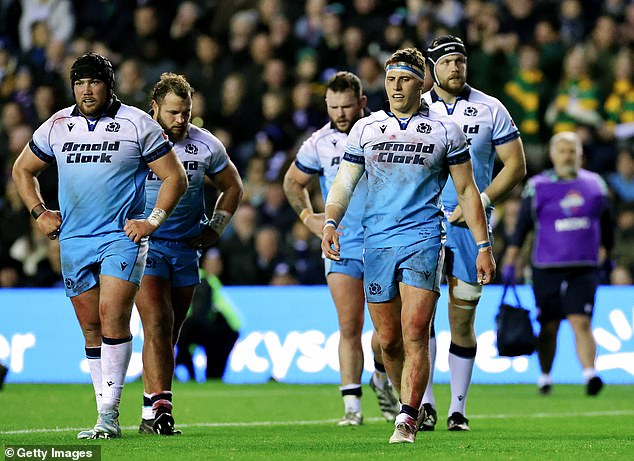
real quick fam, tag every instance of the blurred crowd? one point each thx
(259, 68)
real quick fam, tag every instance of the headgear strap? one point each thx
(442, 46)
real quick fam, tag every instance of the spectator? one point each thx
(269, 253)
(621, 181)
(149, 43)
(602, 47)
(275, 210)
(183, 31)
(59, 16)
(45, 102)
(372, 79)
(131, 85)
(619, 105)
(14, 219)
(573, 27)
(524, 95)
(308, 28)
(207, 70)
(577, 98)
(212, 322)
(237, 249)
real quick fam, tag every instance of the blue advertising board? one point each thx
(289, 334)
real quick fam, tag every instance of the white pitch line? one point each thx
(331, 421)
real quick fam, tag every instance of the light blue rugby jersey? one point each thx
(101, 165)
(201, 153)
(407, 165)
(321, 154)
(486, 123)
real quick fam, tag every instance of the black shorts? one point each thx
(561, 292)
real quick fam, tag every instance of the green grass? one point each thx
(297, 422)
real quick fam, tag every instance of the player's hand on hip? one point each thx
(485, 265)
(136, 229)
(206, 238)
(330, 243)
(456, 217)
(49, 223)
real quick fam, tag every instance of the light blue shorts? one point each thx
(418, 265)
(462, 253)
(351, 267)
(174, 261)
(114, 254)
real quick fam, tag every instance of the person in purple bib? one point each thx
(569, 210)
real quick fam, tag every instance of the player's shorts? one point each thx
(351, 267)
(561, 292)
(85, 258)
(173, 260)
(462, 252)
(418, 265)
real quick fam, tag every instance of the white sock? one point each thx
(588, 373)
(115, 359)
(93, 354)
(351, 398)
(460, 369)
(352, 403)
(544, 380)
(428, 396)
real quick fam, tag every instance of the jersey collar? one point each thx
(464, 94)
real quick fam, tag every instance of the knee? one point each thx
(391, 345)
(351, 328)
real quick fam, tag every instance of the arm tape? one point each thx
(38, 210)
(486, 201)
(157, 217)
(305, 214)
(219, 221)
(346, 180)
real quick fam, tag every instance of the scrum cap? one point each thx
(93, 65)
(443, 46)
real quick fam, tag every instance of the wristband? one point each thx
(38, 210)
(330, 223)
(305, 214)
(157, 217)
(219, 220)
(484, 245)
(486, 201)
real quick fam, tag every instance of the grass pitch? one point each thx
(297, 422)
